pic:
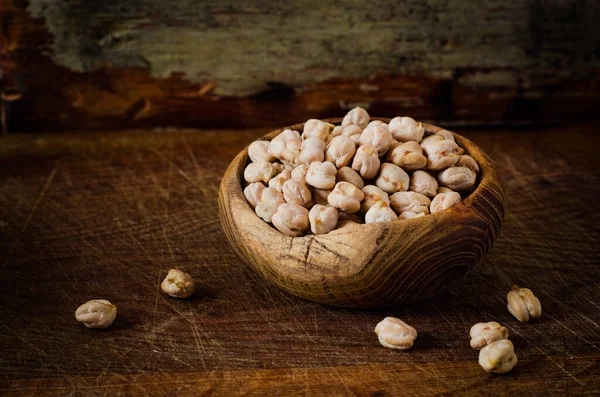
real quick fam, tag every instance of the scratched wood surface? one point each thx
(105, 215)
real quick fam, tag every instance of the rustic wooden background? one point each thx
(82, 64)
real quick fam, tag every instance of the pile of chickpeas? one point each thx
(360, 171)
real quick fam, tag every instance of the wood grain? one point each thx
(107, 214)
(372, 265)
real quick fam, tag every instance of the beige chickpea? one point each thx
(457, 178)
(322, 219)
(258, 151)
(337, 131)
(178, 284)
(410, 201)
(447, 135)
(340, 151)
(279, 179)
(346, 197)
(268, 202)
(347, 174)
(380, 212)
(373, 195)
(286, 146)
(443, 189)
(312, 149)
(422, 182)
(299, 173)
(321, 175)
(430, 140)
(378, 136)
(498, 357)
(357, 116)
(392, 179)
(410, 215)
(298, 193)
(366, 162)
(406, 129)
(441, 154)
(409, 156)
(279, 168)
(97, 313)
(356, 140)
(320, 195)
(252, 193)
(523, 304)
(351, 130)
(291, 219)
(395, 334)
(259, 172)
(443, 201)
(482, 334)
(469, 162)
(314, 128)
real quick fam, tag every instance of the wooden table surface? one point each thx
(106, 215)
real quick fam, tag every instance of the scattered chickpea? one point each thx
(259, 172)
(286, 146)
(291, 219)
(372, 196)
(366, 162)
(423, 183)
(498, 357)
(443, 201)
(97, 313)
(252, 193)
(392, 179)
(409, 156)
(299, 173)
(377, 135)
(347, 174)
(314, 128)
(278, 181)
(457, 178)
(410, 215)
(268, 202)
(523, 304)
(346, 197)
(298, 193)
(322, 219)
(482, 334)
(410, 201)
(258, 151)
(178, 284)
(321, 175)
(380, 212)
(357, 116)
(312, 149)
(340, 151)
(406, 129)
(395, 334)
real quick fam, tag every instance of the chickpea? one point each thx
(410, 201)
(97, 313)
(286, 146)
(252, 193)
(298, 193)
(340, 151)
(268, 202)
(443, 201)
(395, 334)
(440, 154)
(373, 195)
(357, 116)
(469, 162)
(378, 136)
(347, 174)
(410, 215)
(278, 181)
(320, 195)
(322, 219)
(351, 130)
(406, 129)
(321, 175)
(366, 162)
(312, 149)
(447, 135)
(299, 173)
(422, 182)
(346, 197)
(258, 151)
(457, 178)
(392, 178)
(279, 168)
(523, 304)
(482, 334)
(178, 284)
(337, 131)
(291, 219)
(409, 156)
(443, 189)
(498, 357)
(257, 172)
(356, 140)
(380, 212)
(314, 128)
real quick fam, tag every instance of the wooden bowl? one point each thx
(368, 265)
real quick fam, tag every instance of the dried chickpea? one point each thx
(286, 146)
(279, 179)
(347, 174)
(357, 116)
(366, 162)
(469, 162)
(422, 182)
(340, 151)
(299, 173)
(482, 334)
(523, 304)
(259, 172)
(392, 179)
(97, 313)
(178, 284)
(443, 201)
(457, 178)
(279, 168)
(268, 202)
(258, 151)
(441, 153)
(252, 193)
(447, 135)
(373, 195)
(322, 219)
(380, 212)
(406, 129)
(314, 128)
(410, 201)
(395, 334)
(498, 357)
(291, 219)
(355, 139)
(321, 175)
(409, 156)
(346, 197)
(351, 130)
(443, 189)
(377, 135)
(298, 193)
(410, 215)
(320, 195)
(312, 149)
